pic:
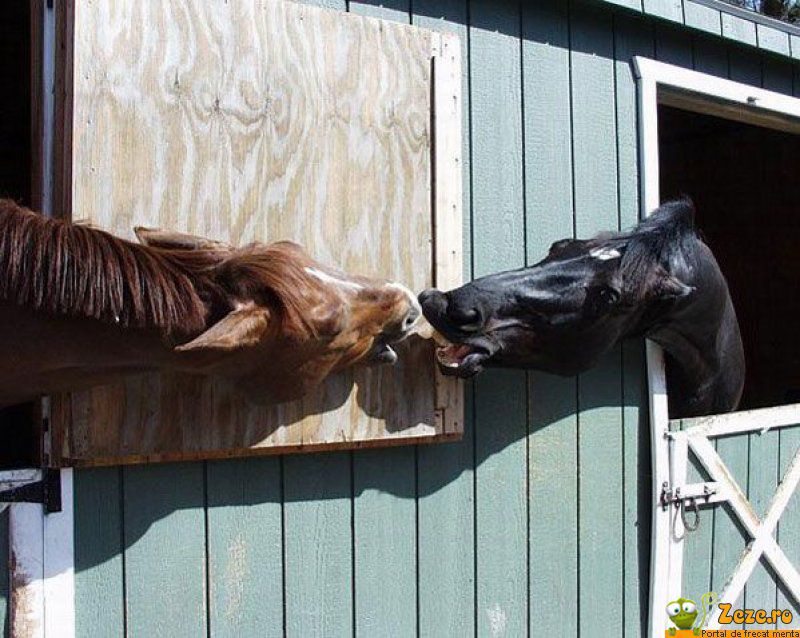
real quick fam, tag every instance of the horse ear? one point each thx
(240, 328)
(670, 287)
(158, 238)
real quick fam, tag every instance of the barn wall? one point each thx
(539, 519)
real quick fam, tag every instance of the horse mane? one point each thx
(653, 241)
(70, 269)
(63, 268)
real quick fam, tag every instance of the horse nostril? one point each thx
(411, 318)
(465, 318)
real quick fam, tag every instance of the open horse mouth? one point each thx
(456, 358)
(461, 359)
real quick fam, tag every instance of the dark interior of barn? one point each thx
(18, 441)
(743, 180)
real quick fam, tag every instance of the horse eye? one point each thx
(609, 295)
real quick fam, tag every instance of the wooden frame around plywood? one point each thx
(446, 261)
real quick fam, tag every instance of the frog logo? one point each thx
(683, 613)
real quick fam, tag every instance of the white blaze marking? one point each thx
(604, 254)
(411, 296)
(330, 279)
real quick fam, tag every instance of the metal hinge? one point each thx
(44, 488)
(682, 494)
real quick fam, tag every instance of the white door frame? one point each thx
(672, 85)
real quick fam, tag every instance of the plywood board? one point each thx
(264, 121)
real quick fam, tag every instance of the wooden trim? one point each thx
(26, 570)
(36, 103)
(59, 565)
(206, 455)
(751, 16)
(687, 89)
(759, 420)
(447, 205)
(62, 175)
(656, 377)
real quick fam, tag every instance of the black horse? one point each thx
(561, 315)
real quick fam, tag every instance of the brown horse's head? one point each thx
(280, 322)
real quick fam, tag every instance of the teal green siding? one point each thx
(537, 521)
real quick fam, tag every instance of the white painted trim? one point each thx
(59, 566)
(660, 534)
(759, 420)
(26, 570)
(751, 98)
(764, 108)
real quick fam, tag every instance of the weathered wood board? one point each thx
(264, 121)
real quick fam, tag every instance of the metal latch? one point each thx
(683, 494)
(685, 498)
(40, 486)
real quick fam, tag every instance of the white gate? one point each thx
(680, 502)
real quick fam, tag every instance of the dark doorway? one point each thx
(744, 182)
(19, 438)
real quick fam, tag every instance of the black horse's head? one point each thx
(562, 314)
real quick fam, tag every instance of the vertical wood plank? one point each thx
(445, 473)
(600, 508)
(385, 548)
(4, 575)
(674, 45)
(245, 561)
(318, 545)
(500, 415)
(99, 550)
(552, 457)
(165, 558)
(384, 514)
(710, 55)
(633, 36)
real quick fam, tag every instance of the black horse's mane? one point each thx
(651, 243)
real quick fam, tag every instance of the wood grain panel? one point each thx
(266, 121)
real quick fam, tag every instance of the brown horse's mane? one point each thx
(63, 268)
(70, 269)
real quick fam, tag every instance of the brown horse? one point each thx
(79, 307)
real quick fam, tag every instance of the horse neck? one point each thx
(45, 353)
(702, 338)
